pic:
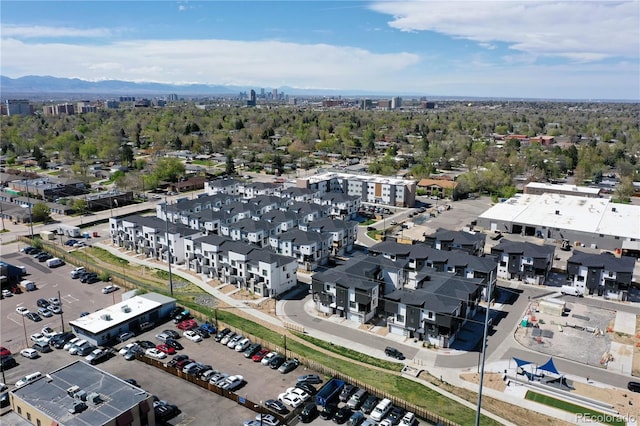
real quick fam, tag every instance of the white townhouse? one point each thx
(282, 221)
(341, 206)
(344, 233)
(254, 189)
(303, 195)
(150, 236)
(263, 204)
(250, 231)
(228, 186)
(311, 249)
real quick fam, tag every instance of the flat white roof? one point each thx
(564, 187)
(96, 321)
(585, 214)
(363, 177)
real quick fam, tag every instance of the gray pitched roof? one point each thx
(524, 248)
(605, 260)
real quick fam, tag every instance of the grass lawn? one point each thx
(584, 412)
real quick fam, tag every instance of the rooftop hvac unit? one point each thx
(78, 407)
(73, 390)
(126, 309)
(81, 395)
(105, 317)
(94, 398)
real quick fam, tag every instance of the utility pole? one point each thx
(61, 311)
(484, 347)
(26, 181)
(166, 224)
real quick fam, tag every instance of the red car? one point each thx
(258, 357)
(4, 351)
(166, 349)
(187, 324)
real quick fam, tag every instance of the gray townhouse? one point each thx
(341, 206)
(344, 233)
(350, 290)
(446, 239)
(524, 261)
(229, 186)
(303, 195)
(310, 249)
(256, 232)
(248, 267)
(307, 212)
(602, 274)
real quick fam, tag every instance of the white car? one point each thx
(232, 382)
(233, 342)
(126, 348)
(55, 309)
(242, 345)
(267, 420)
(29, 353)
(110, 289)
(70, 343)
(155, 353)
(6, 293)
(39, 337)
(293, 397)
(94, 354)
(192, 335)
(268, 357)
(49, 332)
(54, 301)
(22, 310)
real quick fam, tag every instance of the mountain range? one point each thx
(47, 87)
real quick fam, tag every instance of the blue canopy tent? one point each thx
(550, 367)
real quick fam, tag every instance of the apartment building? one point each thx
(602, 274)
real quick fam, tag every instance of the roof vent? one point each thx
(126, 309)
(557, 212)
(105, 317)
(73, 390)
(613, 209)
(94, 398)
(78, 407)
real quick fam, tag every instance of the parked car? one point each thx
(42, 303)
(78, 272)
(6, 293)
(172, 334)
(288, 365)
(155, 353)
(233, 382)
(187, 324)
(222, 334)
(166, 412)
(55, 309)
(356, 419)
(242, 345)
(342, 415)
(174, 344)
(45, 312)
(313, 379)
(260, 355)
(29, 353)
(346, 393)
(145, 344)
(277, 406)
(125, 336)
(209, 328)
(4, 351)
(22, 310)
(252, 350)
(166, 349)
(633, 386)
(276, 362)
(369, 404)
(393, 352)
(126, 348)
(202, 333)
(268, 357)
(328, 411)
(110, 289)
(176, 359)
(58, 341)
(307, 387)
(192, 335)
(293, 397)
(225, 340)
(39, 337)
(33, 317)
(395, 415)
(234, 341)
(267, 419)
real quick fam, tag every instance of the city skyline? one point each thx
(579, 50)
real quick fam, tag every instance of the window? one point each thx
(29, 416)
(503, 263)
(430, 316)
(38, 422)
(400, 318)
(19, 410)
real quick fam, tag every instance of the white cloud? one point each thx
(578, 30)
(272, 63)
(39, 31)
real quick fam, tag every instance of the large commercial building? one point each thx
(79, 395)
(374, 189)
(103, 326)
(583, 221)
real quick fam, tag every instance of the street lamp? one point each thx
(484, 346)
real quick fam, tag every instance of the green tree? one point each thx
(230, 167)
(41, 213)
(80, 205)
(169, 169)
(126, 155)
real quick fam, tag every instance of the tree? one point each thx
(230, 168)
(126, 155)
(169, 169)
(41, 213)
(80, 205)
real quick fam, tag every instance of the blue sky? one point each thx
(519, 49)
